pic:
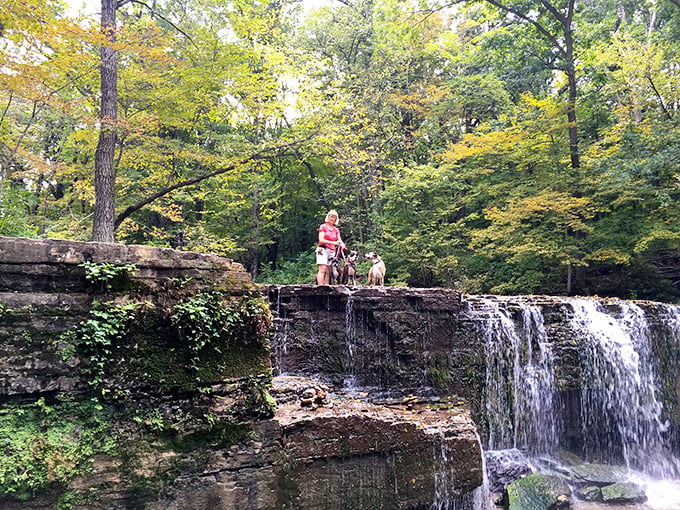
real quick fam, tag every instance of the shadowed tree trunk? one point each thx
(104, 172)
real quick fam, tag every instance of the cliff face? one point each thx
(400, 339)
(606, 371)
(137, 377)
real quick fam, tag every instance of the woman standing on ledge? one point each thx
(329, 240)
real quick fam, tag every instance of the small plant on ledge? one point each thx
(208, 320)
(96, 338)
(107, 274)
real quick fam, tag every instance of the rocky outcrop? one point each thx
(350, 453)
(480, 348)
(399, 340)
(121, 387)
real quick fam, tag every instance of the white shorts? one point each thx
(323, 255)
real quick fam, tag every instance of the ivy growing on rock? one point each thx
(106, 275)
(96, 338)
(210, 320)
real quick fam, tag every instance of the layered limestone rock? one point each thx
(349, 453)
(484, 348)
(400, 340)
(127, 390)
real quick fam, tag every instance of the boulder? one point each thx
(537, 492)
(591, 493)
(599, 475)
(504, 467)
(623, 493)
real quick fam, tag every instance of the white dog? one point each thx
(376, 275)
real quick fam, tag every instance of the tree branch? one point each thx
(431, 12)
(556, 14)
(263, 154)
(537, 25)
(9, 102)
(155, 14)
(659, 98)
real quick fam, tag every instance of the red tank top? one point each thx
(330, 234)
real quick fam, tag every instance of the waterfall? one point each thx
(445, 496)
(350, 382)
(279, 339)
(620, 407)
(519, 378)
(619, 398)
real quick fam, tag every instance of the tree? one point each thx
(554, 21)
(104, 172)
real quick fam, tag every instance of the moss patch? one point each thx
(45, 446)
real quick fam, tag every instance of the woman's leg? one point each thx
(322, 274)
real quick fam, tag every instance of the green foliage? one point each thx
(46, 445)
(106, 275)
(97, 338)
(4, 311)
(370, 103)
(209, 320)
(259, 400)
(14, 205)
(299, 270)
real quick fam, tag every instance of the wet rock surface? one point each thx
(623, 493)
(538, 492)
(598, 475)
(356, 454)
(504, 467)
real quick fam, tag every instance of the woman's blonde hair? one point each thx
(333, 212)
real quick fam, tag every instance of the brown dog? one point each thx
(376, 275)
(349, 270)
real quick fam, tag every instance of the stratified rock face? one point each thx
(103, 410)
(48, 265)
(106, 401)
(353, 454)
(515, 359)
(400, 339)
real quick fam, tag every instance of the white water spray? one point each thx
(619, 398)
(519, 379)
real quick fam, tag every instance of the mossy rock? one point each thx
(623, 493)
(591, 493)
(598, 474)
(537, 492)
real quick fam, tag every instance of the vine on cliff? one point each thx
(96, 338)
(208, 320)
(107, 274)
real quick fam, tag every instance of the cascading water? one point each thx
(595, 376)
(280, 339)
(621, 413)
(620, 396)
(519, 380)
(350, 383)
(445, 493)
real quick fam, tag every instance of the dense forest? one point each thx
(494, 146)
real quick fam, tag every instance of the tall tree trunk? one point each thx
(567, 30)
(104, 173)
(571, 117)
